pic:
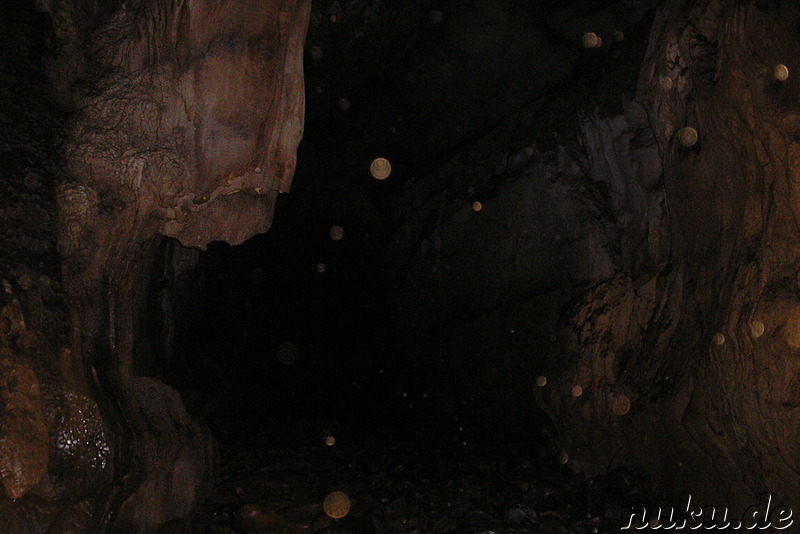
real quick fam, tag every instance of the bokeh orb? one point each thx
(757, 329)
(688, 136)
(336, 233)
(620, 404)
(592, 40)
(380, 168)
(780, 72)
(336, 505)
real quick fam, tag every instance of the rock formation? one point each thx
(185, 118)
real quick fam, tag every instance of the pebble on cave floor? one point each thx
(398, 480)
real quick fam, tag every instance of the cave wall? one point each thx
(652, 284)
(733, 221)
(183, 122)
(505, 244)
(709, 374)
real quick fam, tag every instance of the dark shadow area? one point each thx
(305, 333)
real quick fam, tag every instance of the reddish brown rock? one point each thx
(24, 443)
(712, 406)
(185, 119)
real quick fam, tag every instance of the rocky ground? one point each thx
(399, 479)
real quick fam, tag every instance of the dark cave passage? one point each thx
(360, 330)
(310, 389)
(319, 343)
(303, 334)
(324, 344)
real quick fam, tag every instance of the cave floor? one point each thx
(401, 479)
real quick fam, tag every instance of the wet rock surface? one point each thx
(402, 479)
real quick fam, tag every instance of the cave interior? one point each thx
(497, 293)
